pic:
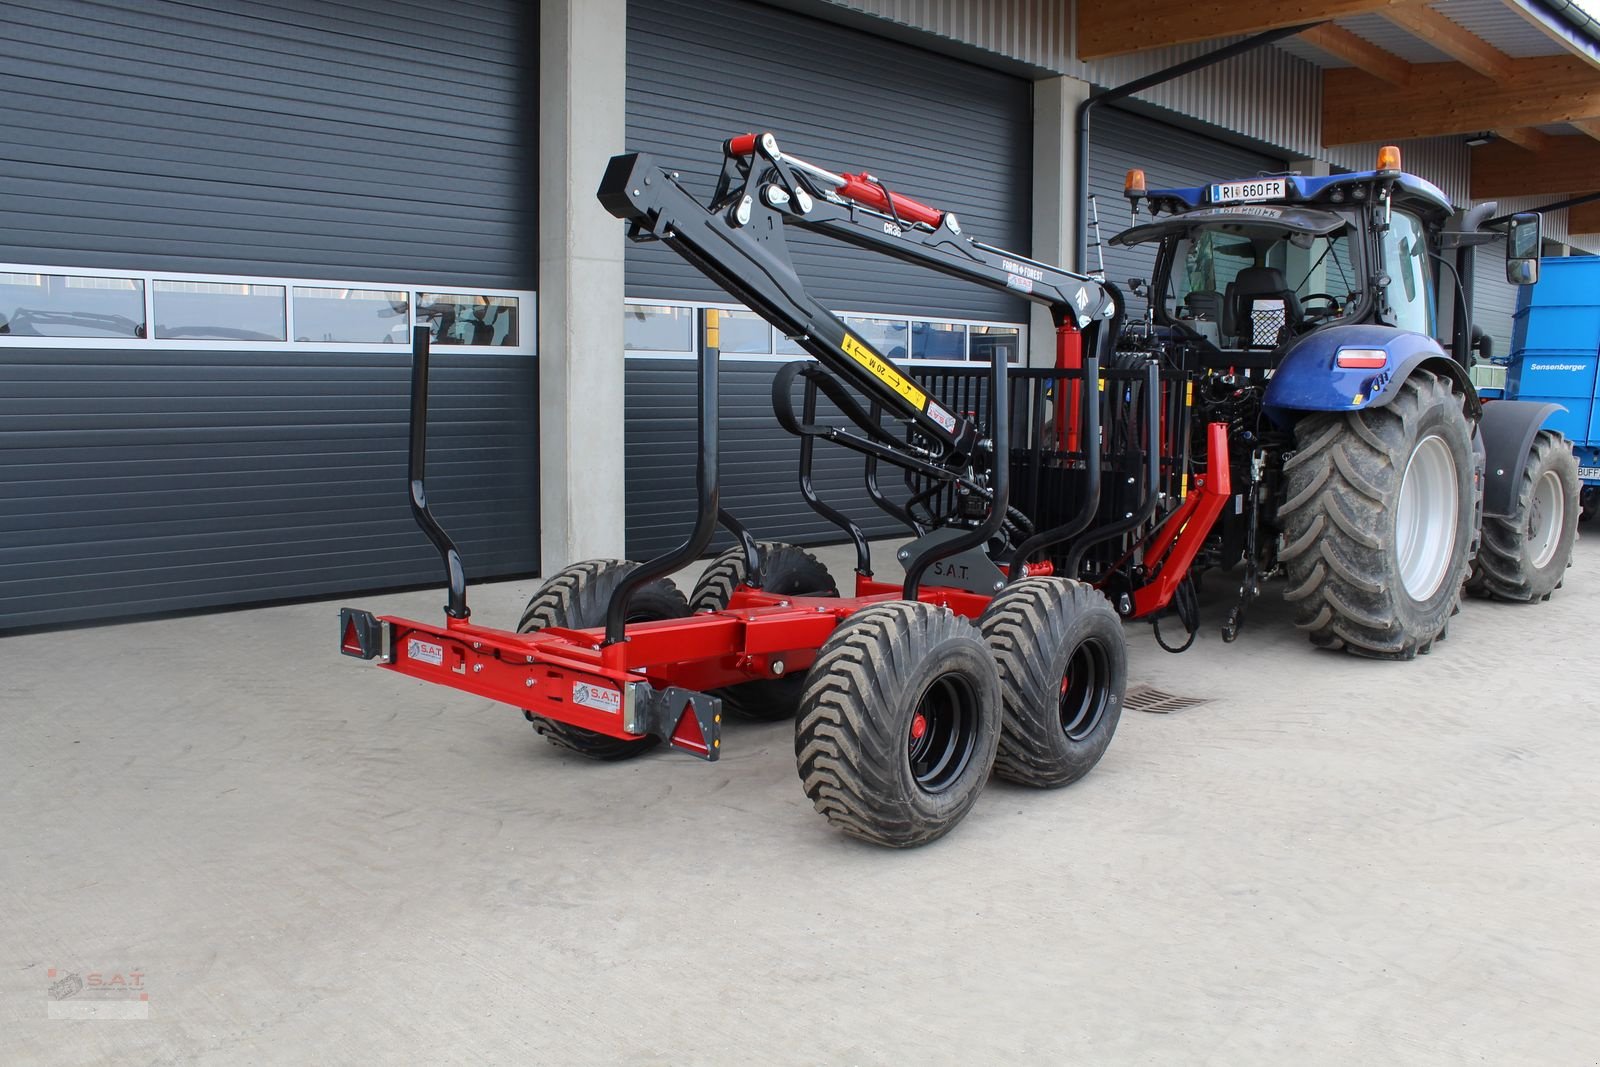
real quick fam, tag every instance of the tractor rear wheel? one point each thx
(786, 571)
(899, 723)
(576, 599)
(1377, 521)
(1524, 557)
(1063, 672)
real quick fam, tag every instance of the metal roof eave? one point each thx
(1566, 22)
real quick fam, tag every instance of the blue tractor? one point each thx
(1328, 322)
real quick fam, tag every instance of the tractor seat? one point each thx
(1260, 304)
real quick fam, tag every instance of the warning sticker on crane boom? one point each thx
(882, 370)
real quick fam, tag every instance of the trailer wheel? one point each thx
(1590, 502)
(1377, 521)
(576, 599)
(899, 723)
(787, 571)
(1063, 670)
(1524, 557)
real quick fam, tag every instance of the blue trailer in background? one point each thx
(1555, 358)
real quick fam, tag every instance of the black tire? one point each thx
(787, 571)
(899, 723)
(1341, 512)
(1063, 664)
(1589, 500)
(1525, 557)
(576, 599)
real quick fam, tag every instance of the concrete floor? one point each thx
(306, 860)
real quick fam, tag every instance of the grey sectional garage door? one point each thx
(941, 130)
(354, 140)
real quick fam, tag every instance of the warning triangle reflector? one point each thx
(352, 640)
(688, 735)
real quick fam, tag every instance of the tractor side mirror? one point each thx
(1522, 248)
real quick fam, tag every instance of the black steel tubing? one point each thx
(707, 492)
(1105, 344)
(1152, 493)
(1000, 487)
(808, 491)
(417, 472)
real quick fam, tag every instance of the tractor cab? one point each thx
(1246, 268)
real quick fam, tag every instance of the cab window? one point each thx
(1405, 258)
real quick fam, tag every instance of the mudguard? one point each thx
(1310, 379)
(1508, 428)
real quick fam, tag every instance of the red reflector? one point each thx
(351, 642)
(1362, 359)
(688, 735)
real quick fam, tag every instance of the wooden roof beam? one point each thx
(1449, 37)
(1359, 53)
(1585, 218)
(1570, 164)
(1591, 127)
(1526, 138)
(1117, 27)
(1452, 98)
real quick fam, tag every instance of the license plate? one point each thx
(1244, 192)
(1589, 472)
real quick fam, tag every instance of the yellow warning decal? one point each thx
(882, 370)
(713, 332)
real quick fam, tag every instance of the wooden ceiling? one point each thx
(1382, 96)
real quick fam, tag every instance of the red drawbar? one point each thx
(1171, 549)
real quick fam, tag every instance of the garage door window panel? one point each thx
(352, 316)
(57, 305)
(219, 311)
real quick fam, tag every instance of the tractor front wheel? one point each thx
(1524, 557)
(898, 723)
(1377, 521)
(576, 599)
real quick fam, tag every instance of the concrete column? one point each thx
(582, 69)
(1056, 211)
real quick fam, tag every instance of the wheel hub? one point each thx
(1084, 694)
(943, 733)
(1547, 514)
(1427, 517)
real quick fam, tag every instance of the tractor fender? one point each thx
(1508, 428)
(1309, 377)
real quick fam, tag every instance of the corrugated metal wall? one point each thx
(945, 132)
(1494, 300)
(297, 138)
(1267, 95)
(698, 72)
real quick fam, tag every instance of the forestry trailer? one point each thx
(1340, 444)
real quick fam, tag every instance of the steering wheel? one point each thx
(1331, 311)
